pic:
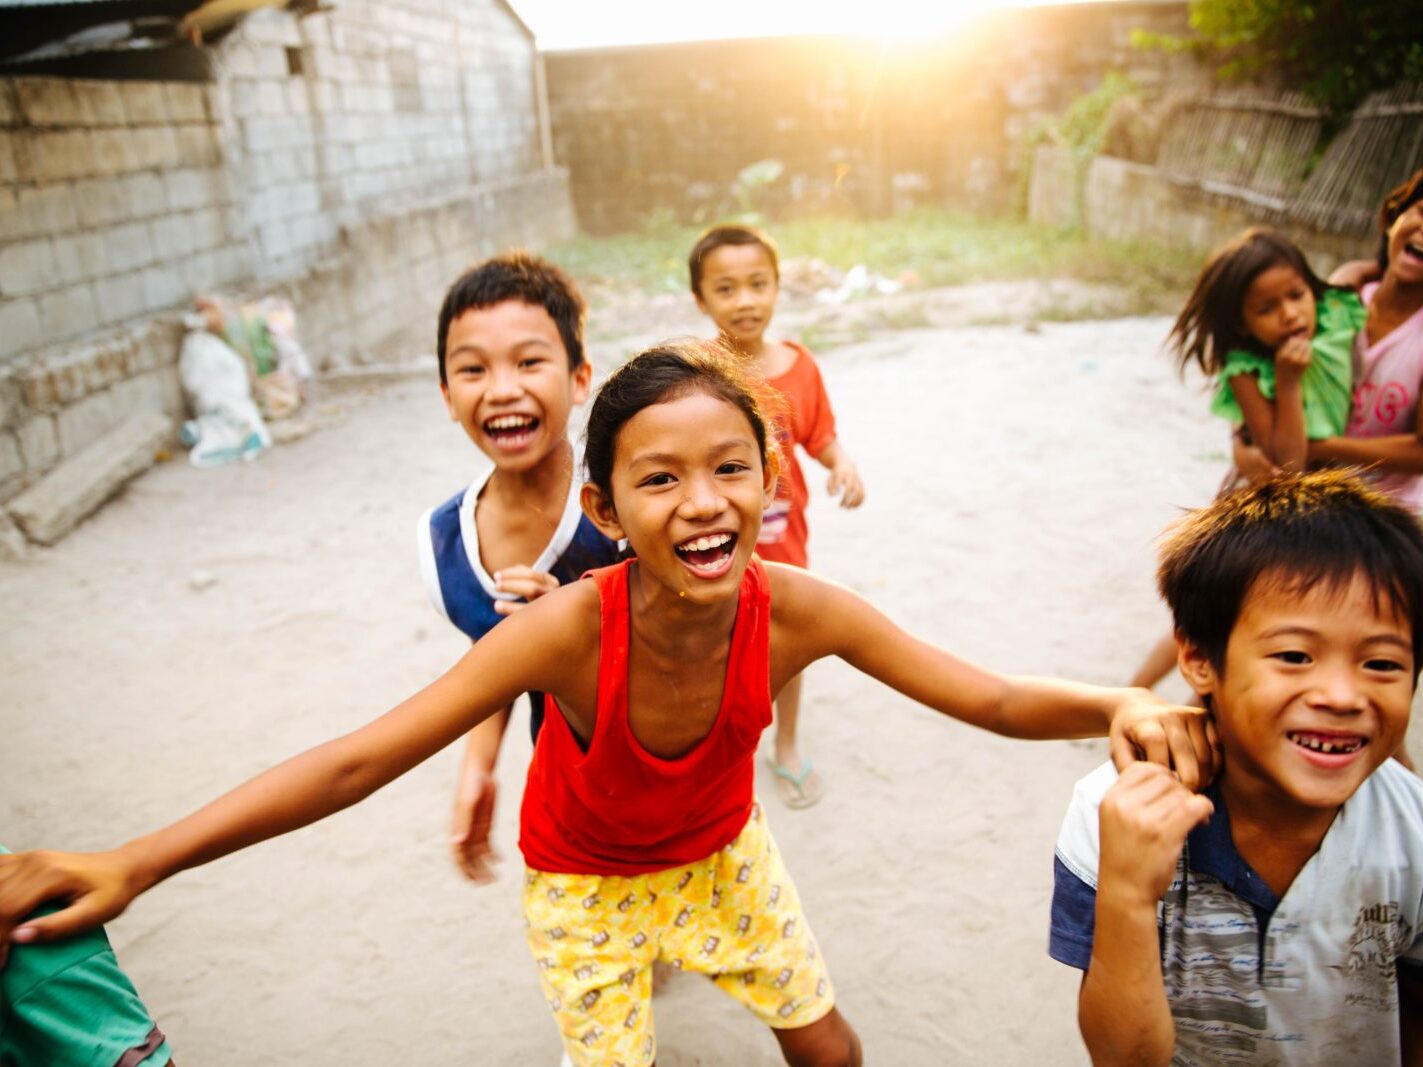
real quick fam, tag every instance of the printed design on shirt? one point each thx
(1370, 966)
(1384, 401)
(734, 917)
(1211, 966)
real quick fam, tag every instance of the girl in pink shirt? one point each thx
(1385, 434)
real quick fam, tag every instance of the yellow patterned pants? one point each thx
(733, 916)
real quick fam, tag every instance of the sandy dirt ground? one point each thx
(209, 623)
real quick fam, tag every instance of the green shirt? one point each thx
(67, 1004)
(1327, 388)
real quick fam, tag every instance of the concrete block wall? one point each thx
(860, 126)
(1126, 201)
(355, 160)
(114, 202)
(340, 113)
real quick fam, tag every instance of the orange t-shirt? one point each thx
(804, 419)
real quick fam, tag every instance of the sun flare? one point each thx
(559, 25)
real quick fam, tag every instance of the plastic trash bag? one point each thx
(227, 425)
(263, 332)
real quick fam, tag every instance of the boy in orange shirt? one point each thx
(735, 276)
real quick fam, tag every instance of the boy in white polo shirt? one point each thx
(1277, 919)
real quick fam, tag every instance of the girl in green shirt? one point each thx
(1278, 341)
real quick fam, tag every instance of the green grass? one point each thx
(940, 247)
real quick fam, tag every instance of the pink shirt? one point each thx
(1387, 379)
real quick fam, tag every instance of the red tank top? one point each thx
(617, 809)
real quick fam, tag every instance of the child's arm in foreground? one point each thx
(533, 651)
(1401, 452)
(1122, 1009)
(1356, 273)
(475, 791)
(815, 618)
(1277, 426)
(844, 476)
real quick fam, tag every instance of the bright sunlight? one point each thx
(559, 24)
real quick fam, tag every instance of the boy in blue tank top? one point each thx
(512, 367)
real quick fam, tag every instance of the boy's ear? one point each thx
(582, 381)
(701, 304)
(600, 511)
(445, 392)
(1196, 667)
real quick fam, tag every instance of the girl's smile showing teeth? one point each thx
(708, 556)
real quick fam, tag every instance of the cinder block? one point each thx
(130, 246)
(157, 343)
(82, 423)
(19, 326)
(100, 102)
(198, 146)
(146, 195)
(68, 312)
(74, 489)
(120, 297)
(113, 151)
(56, 155)
(154, 147)
(173, 236)
(189, 188)
(71, 265)
(50, 208)
(207, 228)
(48, 102)
(271, 97)
(39, 442)
(27, 267)
(185, 101)
(100, 201)
(144, 102)
(164, 286)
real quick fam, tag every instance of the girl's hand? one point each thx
(1292, 358)
(845, 483)
(1145, 727)
(97, 886)
(524, 582)
(1250, 460)
(1144, 818)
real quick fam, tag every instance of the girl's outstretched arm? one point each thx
(812, 618)
(536, 649)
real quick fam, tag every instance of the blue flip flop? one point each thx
(796, 790)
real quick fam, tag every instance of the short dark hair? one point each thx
(1211, 323)
(1400, 199)
(720, 237)
(1325, 527)
(517, 275)
(666, 372)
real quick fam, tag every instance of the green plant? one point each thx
(1336, 51)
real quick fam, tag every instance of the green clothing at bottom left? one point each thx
(68, 1004)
